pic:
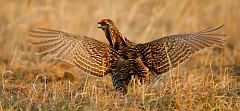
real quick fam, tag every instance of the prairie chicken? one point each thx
(121, 58)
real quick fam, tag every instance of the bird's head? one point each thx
(107, 26)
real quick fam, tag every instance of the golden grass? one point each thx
(209, 81)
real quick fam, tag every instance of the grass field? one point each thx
(210, 80)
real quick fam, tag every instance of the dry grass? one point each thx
(209, 81)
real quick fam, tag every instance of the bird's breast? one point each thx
(130, 66)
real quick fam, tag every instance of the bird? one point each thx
(120, 57)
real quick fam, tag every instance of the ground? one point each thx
(210, 80)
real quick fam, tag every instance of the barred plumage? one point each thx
(122, 58)
(166, 53)
(88, 54)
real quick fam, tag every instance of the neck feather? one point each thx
(115, 38)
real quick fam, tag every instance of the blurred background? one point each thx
(138, 20)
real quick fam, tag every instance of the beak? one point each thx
(108, 36)
(100, 25)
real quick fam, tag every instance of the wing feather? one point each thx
(163, 54)
(89, 55)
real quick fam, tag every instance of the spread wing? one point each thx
(163, 54)
(89, 55)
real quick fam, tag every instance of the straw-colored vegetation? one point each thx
(209, 81)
